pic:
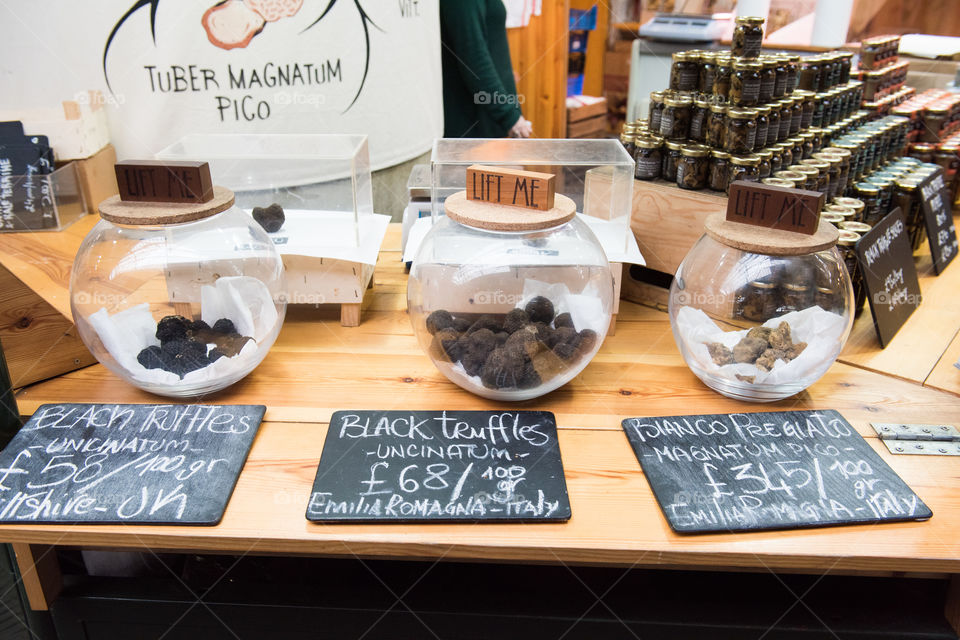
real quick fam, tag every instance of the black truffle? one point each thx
(503, 369)
(224, 325)
(588, 340)
(540, 309)
(151, 358)
(214, 355)
(516, 319)
(197, 325)
(564, 335)
(563, 320)
(172, 328)
(462, 324)
(181, 356)
(270, 218)
(487, 321)
(501, 337)
(565, 350)
(438, 320)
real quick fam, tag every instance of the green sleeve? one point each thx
(464, 20)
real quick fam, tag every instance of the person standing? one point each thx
(479, 92)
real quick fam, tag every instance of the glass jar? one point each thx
(776, 159)
(773, 124)
(797, 148)
(886, 194)
(796, 179)
(745, 168)
(765, 168)
(747, 37)
(740, 317)
(846, 61)
(698, 119)
(685, 71)
(763, 126)
(719, 170)
(821, 109)
(807, 106)
(675, 120)
(870, 195)
(671, 158)
(782, 77)
(721, 81)
(823, 174)
(852, 203)
(833, 218)
(809, 76)
(786, 117)
(184, 304)
(627, 140)
(793, 72)
(543, 325)
(846, 214)
(768, 79)
(806, 142)
(740, 134)
(836, 172)
(708, 71)
(779, 182)
(745, 83)
(907, 196)
(829, 71)
(656, 111)
(716, 125)
(693, 169)
(818, 137)
(847, 246)
(648, 158)
(796, 114)
(811, 176)
(786, 154)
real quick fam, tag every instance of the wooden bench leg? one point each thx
(350, 314)
(40, 572)
(952, 610)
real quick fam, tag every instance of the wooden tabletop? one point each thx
(317, 367)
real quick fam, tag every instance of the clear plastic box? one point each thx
(307, 175)
(596, 174)
(45, 202)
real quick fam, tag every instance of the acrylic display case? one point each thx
(41, 202)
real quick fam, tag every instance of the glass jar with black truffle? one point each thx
(776, 158)
(529, 338)
(716, 125)
(846, 61)
(698, 119)
(806, 141)
(781, 76)
(693, 169)
(836, 173)
(685, 71)
(869, 194)
(818, 137)
(745, 83)
(675, 121)
(765, 168)
(670, 159)
(773, 124)
(797, 148)
(648, 157)
(807, 106)
(719, 170)
(721, 80)
(786, 153)
(740, 135)
(811, 176)
(768, 78)
(851, 203)
(656, 110)
(796, 114)
(763, 126)
(786, 116)
(627, 139)
(809, 77)
(746, 167)
(747, 37)
(907, 197)
(793, 72)
(823, 174)
(708, 71)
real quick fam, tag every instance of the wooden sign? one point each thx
(776, 470)
(938, 218)
(889, 274)
(164, 181)
(512, 187)
(436, 466)
(775, 207)
(126, 463)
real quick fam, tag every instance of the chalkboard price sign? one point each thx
(126, 463)
(889, 274)
(440, 466)
(938, 218)
(773, 470)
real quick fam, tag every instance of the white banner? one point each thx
(168, 68)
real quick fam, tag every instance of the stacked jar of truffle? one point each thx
(883, 74)
(739, 115)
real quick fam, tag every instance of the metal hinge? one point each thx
(919, 439)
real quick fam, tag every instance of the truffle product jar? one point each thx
(719, 170)
(809, 76)
(773, 124)
(793, 72)
(797, 148)
(180, 300)
(836, 172)
(675, 120)
(786, 154)
(870, 195)
(656, 111)
(685, 71)
(648, 158)
(693, 168)
(744, 313)
(744, 168)
(779, 182)
(763, 126)
(797, 180)
(747, 37)
(846, 61)
(670, 160)
(745, 83)
(786, 117)
(708, 71)
(781, 69)
(510, 315)
(906, 196)
(776, 158)
(807, 106)
(768, 78)
(765, 168)
(721, 81)
(806, 142)
(823, 174)
(796, 114)
(716, 125)
(698, 119)
(627, 139)
(851, 203)
(846, 244)
(740, 134)
(811, 176)
(886, 194)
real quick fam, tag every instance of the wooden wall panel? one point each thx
(877, 17)
(539, 56)
(596, 46)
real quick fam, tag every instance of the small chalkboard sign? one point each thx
(126, 463)
(889, 274)
(440, 466)
(938, 218)
(774, 470)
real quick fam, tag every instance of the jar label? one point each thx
(648, 167)
(750, 92)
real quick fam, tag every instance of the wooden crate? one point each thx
(666, 221)
(38, 341)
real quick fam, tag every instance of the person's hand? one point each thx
(523, 128)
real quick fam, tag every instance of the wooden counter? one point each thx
(318, 366)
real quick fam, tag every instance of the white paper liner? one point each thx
(244, 300)
(821, 330)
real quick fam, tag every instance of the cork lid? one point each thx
(154, 214)
(497, 217)
(771, 242)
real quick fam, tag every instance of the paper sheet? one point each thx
(330, 234)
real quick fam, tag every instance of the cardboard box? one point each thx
(77, 128)
(97, 177)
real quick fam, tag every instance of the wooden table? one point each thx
(317, 367)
